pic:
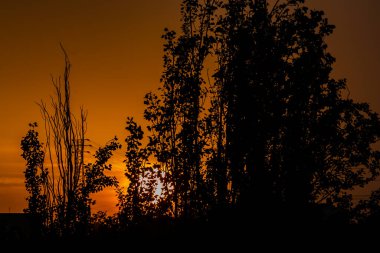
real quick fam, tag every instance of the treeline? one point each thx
(247, 126)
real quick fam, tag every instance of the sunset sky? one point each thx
(116, 54)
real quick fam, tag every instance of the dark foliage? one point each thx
(269, 137)
(60, 194)
(35, 175)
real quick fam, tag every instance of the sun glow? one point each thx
(153, 180)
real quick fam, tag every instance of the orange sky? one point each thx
(116, 54)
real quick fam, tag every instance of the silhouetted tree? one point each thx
(36, 182)
(94, 180)
(280, 136)
(65, 142)
(291, 138)
(175, 115)
(138, 201)
(68, 183)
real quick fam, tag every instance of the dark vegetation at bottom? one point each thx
(247, 225)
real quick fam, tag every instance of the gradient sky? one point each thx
(116, 55)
